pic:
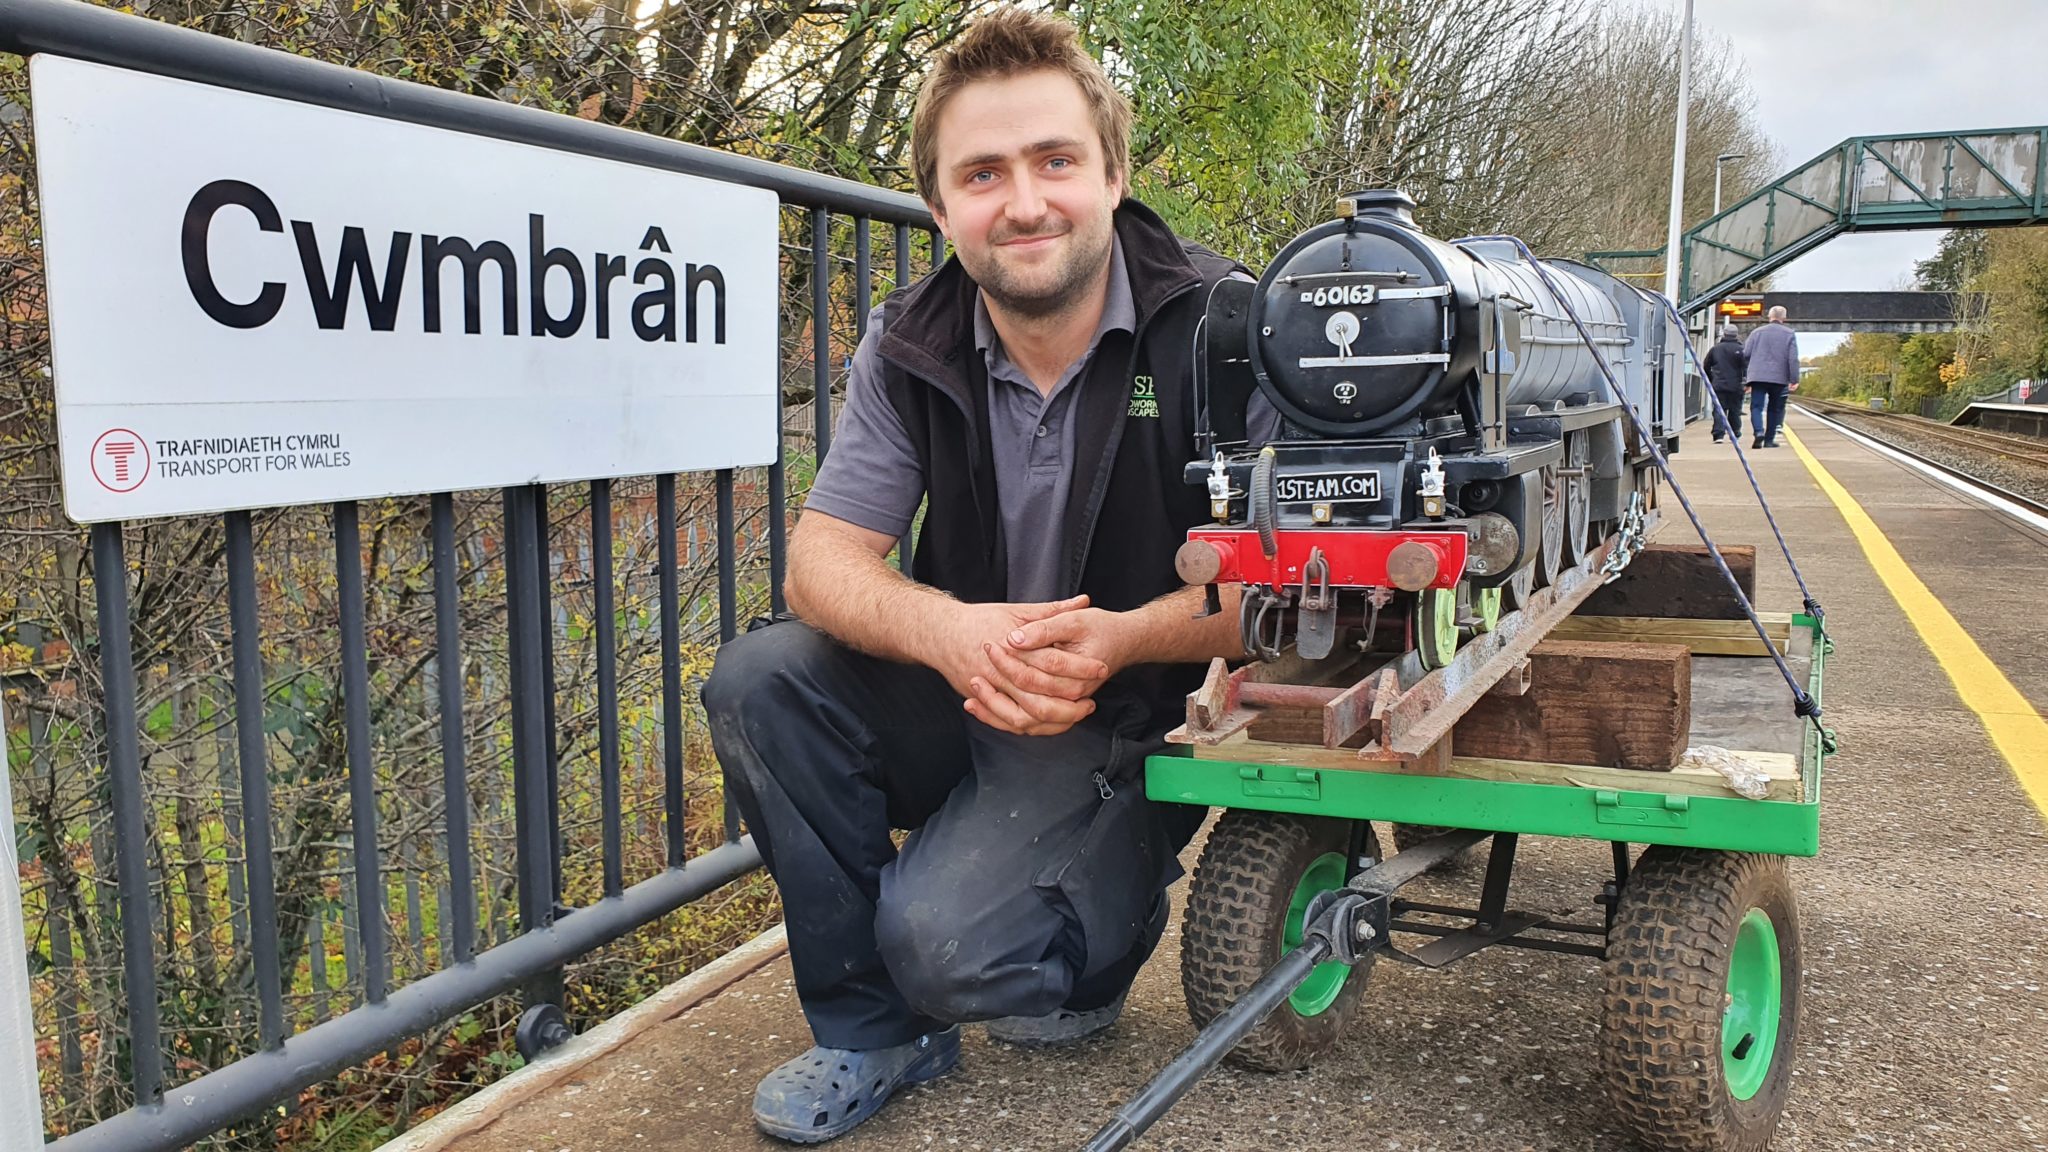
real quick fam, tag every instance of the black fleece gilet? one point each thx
(1128, 507)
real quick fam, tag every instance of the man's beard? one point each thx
(1087, 255)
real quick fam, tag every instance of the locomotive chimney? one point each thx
(1389, 202)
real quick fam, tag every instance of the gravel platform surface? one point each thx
(1926, 1023)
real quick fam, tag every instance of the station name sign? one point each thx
(255, 302)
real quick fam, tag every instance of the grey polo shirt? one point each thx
(872, 476)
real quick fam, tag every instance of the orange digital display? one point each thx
(1740, 307)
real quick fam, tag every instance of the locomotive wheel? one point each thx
(1486, 608)
(1516, 592)
(1550, 557)
(1436, 626)
(1577, 498)
(1246, 905)
(1703, 973)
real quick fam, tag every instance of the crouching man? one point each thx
(998, 701)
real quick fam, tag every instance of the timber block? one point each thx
(1603, 704)
(1678, 580)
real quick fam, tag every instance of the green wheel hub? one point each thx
(1320, 990)
(1436, 625)
(1749, 1023)
(1487, 603)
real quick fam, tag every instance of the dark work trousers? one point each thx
(1022, 887)
(1771, 397)
(1731, 411)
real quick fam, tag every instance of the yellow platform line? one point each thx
(2016, 730)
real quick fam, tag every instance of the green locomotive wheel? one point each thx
(1436, 625)
(1486, 608)
(1703, 995)
(1258, 872)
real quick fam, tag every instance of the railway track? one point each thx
(2021, 463)
(2023, 447)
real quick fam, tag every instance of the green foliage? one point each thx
(1962, 254)
(1861, 367)
(1921, 359)
(1228, 97)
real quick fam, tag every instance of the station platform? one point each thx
(1925, 927)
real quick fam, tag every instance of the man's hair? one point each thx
(1013, 42)
(1777, 315)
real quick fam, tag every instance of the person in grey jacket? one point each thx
(1772, 353)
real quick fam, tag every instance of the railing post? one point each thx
(534, 855)
(21, 1103)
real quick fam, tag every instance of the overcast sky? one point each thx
(1824, 70)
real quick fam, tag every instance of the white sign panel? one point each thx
(254, 302)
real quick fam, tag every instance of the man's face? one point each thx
(1024, 194)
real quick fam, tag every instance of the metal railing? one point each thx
(549, 933)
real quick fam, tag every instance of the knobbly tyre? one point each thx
(1473, 447)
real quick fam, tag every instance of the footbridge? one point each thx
(1905, 313)
(1972, 179)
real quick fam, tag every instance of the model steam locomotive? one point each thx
(1449, 444)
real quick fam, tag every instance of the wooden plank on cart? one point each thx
(1618, 705)
(1678, 580)
(1782, 769)
(1703, 637)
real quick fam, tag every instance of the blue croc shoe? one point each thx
(827, 1092)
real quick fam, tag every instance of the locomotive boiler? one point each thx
(1448, 440)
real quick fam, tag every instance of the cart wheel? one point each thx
(1407, 836)
(1257, 875)
(1703, 974)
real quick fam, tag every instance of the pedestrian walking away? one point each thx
(1725, 366)
(1771, 367)
(998, 697)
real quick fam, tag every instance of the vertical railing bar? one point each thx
(454, 755)
(908, 544)
(671, 669)
(131, 846)
(258, 864)
(863, 275)
(607, 684)
(534, 855)
(544, 589)
(415, 921)
(351, 922)
(728, 603)
(778, 518)
(821, 328)
(355, 681)
(316, 962)
(232, 843)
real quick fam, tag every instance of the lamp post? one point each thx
(1678, 157)
(1723, 158)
